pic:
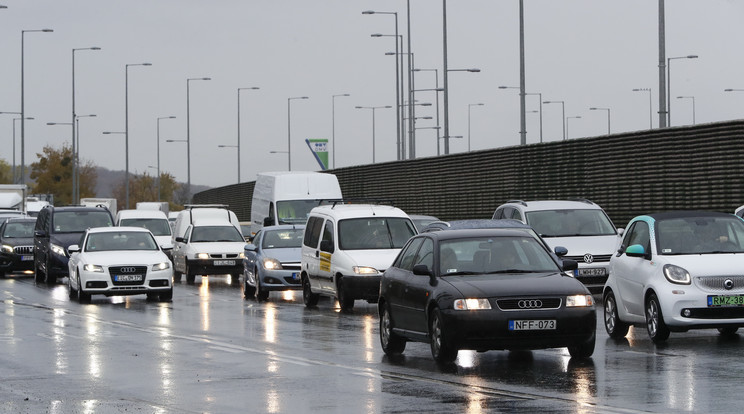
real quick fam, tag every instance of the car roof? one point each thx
(133, 213)
(687, 213)
(212, 222)
(539, 205)
(475, 224)
(27, 219)
(468, 233)
(76, 208)
(117, 229)
(342, 211)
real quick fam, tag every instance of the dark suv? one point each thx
(56, 229)
(16, 245)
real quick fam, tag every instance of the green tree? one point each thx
(5, 173)
(52, 174)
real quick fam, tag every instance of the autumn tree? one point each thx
(144, 187)
(52, 174)
(5, 173)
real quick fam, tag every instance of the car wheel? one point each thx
(728, 331)
(613, 325)
(441, 350)
(72, 293)
(38, 274)
(584, 349)
(176, 275)
(261, 294)
(2, 275)
(310, 298)
(346, 302)
(190, 277)
(82, 296)
(392, 344)
(248, 290)
(657, 329)
(167, 296)
(50, 278)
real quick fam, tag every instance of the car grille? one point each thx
(131, 270)
(598, 258)
(223, 255)
(592, 280)
(291, 266)
(716, 313)
(528, 304)
(23, 249)
(716, 283)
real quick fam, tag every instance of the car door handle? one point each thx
(317, 253)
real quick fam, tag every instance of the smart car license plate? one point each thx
(224, 262)
(27, 258)
(595, 271)
(737, 300)
(128, 278)
(532, 325)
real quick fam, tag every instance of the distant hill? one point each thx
(108, 179)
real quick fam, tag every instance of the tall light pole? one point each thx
(669, 85)
(445, 71)
(16, 179)
(539, 96)
(469, 107)
(693, 106)
(289, 130)
(438, 89)
(23, 105)
(188, 133)
(74, 125)
(76, 158)
(126, 124)
(158, 155)
(563, 116)
(650, 106)
(373, 108)
(571, 117)
(241, 89)
(608, 116)
(522, 97)
(446, 102)
(333, 125)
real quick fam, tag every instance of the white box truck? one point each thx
(153, 205)
(13, 197)
(287, 197)
(109, 203)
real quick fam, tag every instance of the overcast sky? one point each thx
(588, 53)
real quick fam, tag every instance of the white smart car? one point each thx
(677, 271)
(119, 261)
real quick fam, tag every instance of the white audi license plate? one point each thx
(532, 325)
(128, 278)
(224, 262)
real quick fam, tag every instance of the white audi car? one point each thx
(119, 261)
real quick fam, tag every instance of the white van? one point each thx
(289, 196)
(347, 247)
(193, 212)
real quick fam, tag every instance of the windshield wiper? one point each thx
(461, 272)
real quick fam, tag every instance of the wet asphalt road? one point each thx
(212, 351)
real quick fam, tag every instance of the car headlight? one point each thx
(365, 270)
(93, 268)
(161, 266)
(202, 256)
(7, 249)
(472, 304)
(576, 301)
(57, 249)
(676, 274)
(271, 264)
(241, 255)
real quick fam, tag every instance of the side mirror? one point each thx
(74, 248)
(635, 250)
(250, 247)
(423, 270)
(570, 265)
(180, 240)
(620, 231)
(326, 246)
(560, 251)
(166, 246)
(268, 222)
(40, 233)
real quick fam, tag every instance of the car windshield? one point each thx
(279, 239)
(19, 229)
(78, 221)
(158, 226)
(295, 211)
(568, 223)
(374, 233)
(210, 234)
(494, 255)
(125, 240)
(700, 235)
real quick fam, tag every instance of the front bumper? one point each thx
(214, 266)
(362, 287)
(155, 282)
(687, 308)
(285, 279)
(12, 262)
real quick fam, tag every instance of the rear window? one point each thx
(374, 233)
(79, 221)
(158, 227)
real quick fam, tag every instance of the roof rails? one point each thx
(582, 200)
(357, 201)
(524, 203)
(192, 206)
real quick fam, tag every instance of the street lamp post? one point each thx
(126, 124)
(571, 117)
(669, 85)
(16, 179)
(469, 107)
(446, 92)
(241, 89)
(608, 116)
(539, 96)
(650, 106)
(23, 105)
(693, 106)
(563, 109)
(373, 108)
(333, 125)
(74, 125)
(289, 128)
(438, 89)
(158, 151)
(188, 133)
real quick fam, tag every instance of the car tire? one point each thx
(82, 296)
(167, 296)
(657, 329)
(584, 349)
(728, 330)
(72, 293)
(344, 301)
(39, 276)
(176, 275)
(441, 349)
(50, 278)
(392, 344)
(190, 277)
(613, 325)
(310, 298)
(2, 275)
(261, 293)
(248, 290)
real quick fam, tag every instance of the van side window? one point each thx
(328, 231)
(312, 231)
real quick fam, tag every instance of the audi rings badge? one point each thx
(128, 270)
(530, 304)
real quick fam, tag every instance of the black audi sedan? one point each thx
(483, 289)
(17, 245)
